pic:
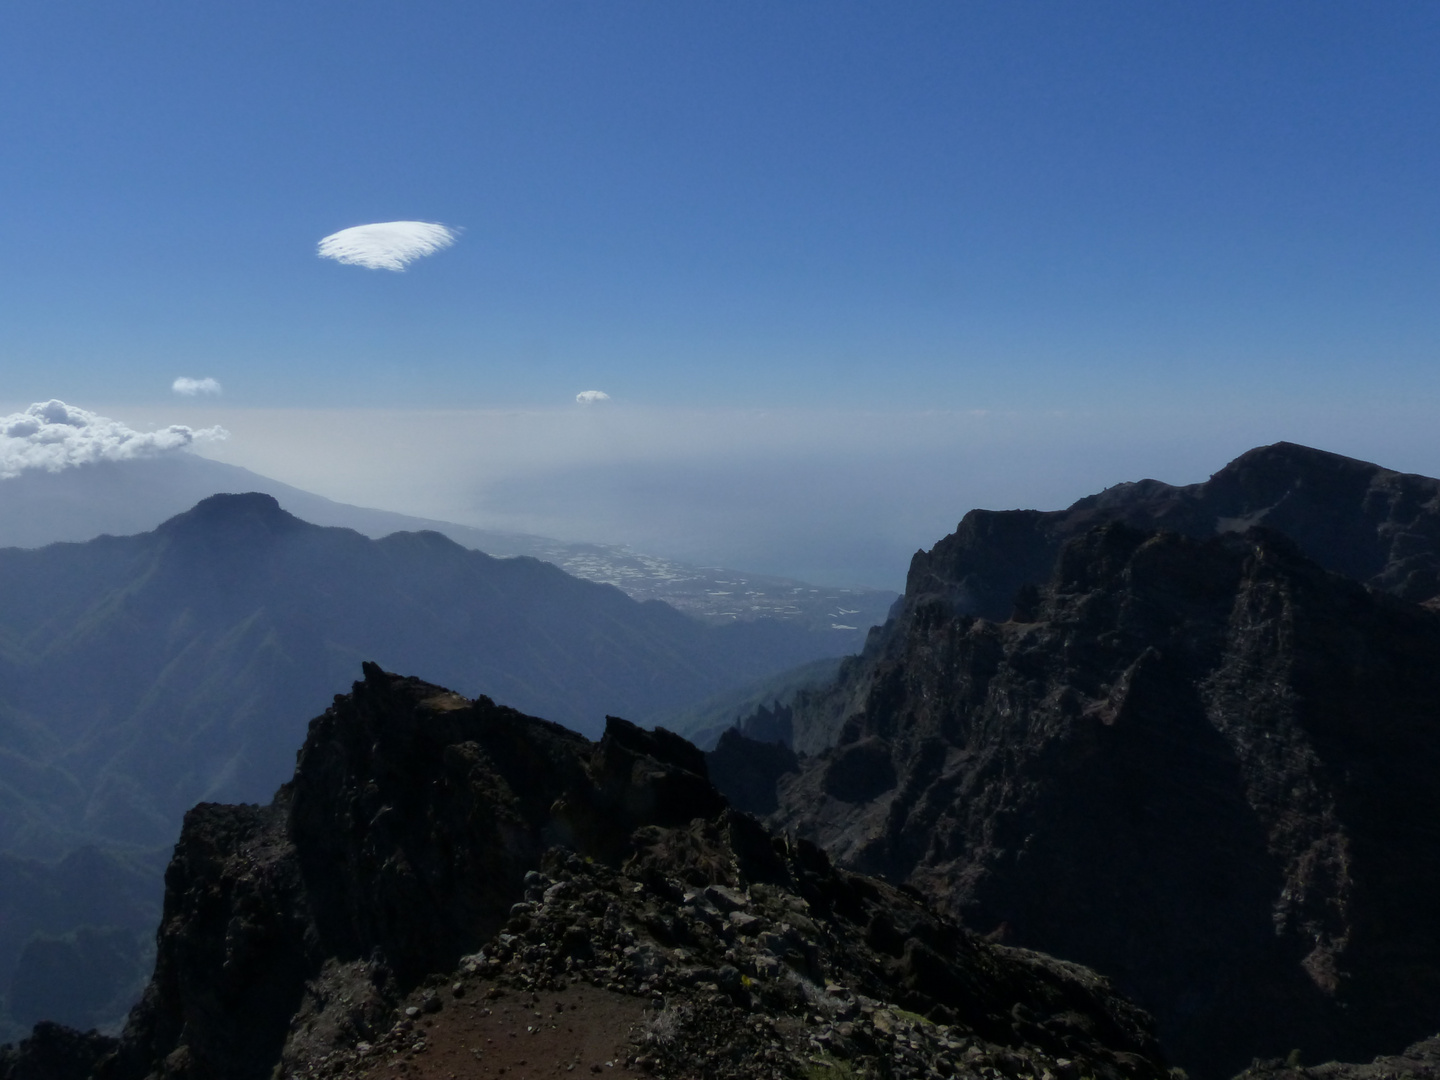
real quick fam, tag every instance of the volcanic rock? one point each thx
(1205, 767)
(1369, 523)
(746, 770)
(1418, 1062)
(434, 857)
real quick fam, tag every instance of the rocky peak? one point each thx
(251, 513)
(1369, 523)
(431, 841)
(226, 544)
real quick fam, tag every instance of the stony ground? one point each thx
(469, 1030)
(1420, 1061)
(600, 972)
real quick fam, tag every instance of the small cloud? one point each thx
(386, 245)
(53, 436)
(191, 387)
(590, 397)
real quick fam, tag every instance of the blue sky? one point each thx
(1200, 226)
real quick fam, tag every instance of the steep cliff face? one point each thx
(1371, 524)
(1204, 767)
(427, 840)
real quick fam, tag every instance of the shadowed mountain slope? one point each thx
(1182, 734)
(1203, 767)
(145, 673)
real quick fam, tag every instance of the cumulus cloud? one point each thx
(53, 436)
(190, 387)
(386, 245)
(590, 397)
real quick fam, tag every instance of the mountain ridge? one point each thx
(1193, 754)
(144, 674)
(1373, 524)
(237, 571)
(133, 496)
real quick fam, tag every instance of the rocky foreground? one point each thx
(440, 870)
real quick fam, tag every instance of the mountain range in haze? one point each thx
(121, 498)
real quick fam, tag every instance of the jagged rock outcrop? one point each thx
(427, 839)
(400, 844)
(746, 770)
(1204, 767)
(1372, 524)
(770, 724)
(1369, 523)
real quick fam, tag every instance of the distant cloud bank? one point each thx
(53, 436)
(190, 387)
(590, 397)
(386, 245)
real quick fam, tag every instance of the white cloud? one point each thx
(53, 436)
(190, 387)
(590, 397)
(386, 245)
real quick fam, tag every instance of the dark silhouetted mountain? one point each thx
(1369, 523)
(1421, 1061)
(747, 770)
(1205, 767)
(434, 857)
(1374, 525)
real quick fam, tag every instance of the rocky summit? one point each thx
(448, 887)
(1203, 766)
(1372, 524)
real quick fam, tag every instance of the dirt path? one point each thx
(581, 1030)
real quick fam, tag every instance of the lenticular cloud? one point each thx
(190, 387)
(54, 436)
(386, 245)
